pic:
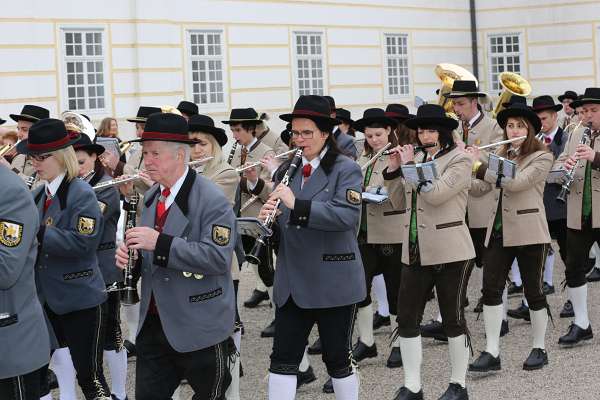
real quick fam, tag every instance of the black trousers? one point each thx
(292, 328)
(497, 265)
(111, 317)
(81, 331)
(580, 243)
(266, 270)
(478, 238)
(382, 259)
(450, 282)
(558, 232)
(160, 369)
(22, 387)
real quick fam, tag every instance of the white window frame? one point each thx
(309, 57)
(106, 73)
(520, 53)
(399, 57)
(190, 59)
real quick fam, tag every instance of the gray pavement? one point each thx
(571, 374)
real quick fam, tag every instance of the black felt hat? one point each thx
(143, 113)
(85, 143)
(312, 107)
(47, 135)
(205, 124)
(545, 103)
(431, 115)
(569, 94)
(398, 111)
(31, 113)
(344, 115)
(188, 108)
(166, 127)
(373, 115)
(519, 110)
(464, 89)
(590, 96)
(239, 115)
(515, 98)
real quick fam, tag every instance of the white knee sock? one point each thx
(525, 302)
(117, 366)
(282, 387)
(549, 269)
(259, 283)
(439, 316)
(595, 252)
(578, 297)
(346, 388)
(412, 357)
(396, 342)
(459, 359)
(305, 363)
(47, 397)
(364, 323)
(505, 304)
(177, 394)
(233, 391)
(131, 316)
(492, 318)
(539, 321)
(62, 365)
(515, 273)
(237, 340)
(378, 288)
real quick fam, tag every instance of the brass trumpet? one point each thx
(7, 148)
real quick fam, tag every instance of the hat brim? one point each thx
(447, 122)
(362, 123)
(346, 120)
(529, 115)
(555, 107)
(23, 149)
(241, 121)
(218, 133)
(184, 141)
(187, 112)
(562, 97)
(94, 148)
(136, 120)
(21, 117)
(454, 95)
(580, 102)
(289, 117)
(2, 121)
(399, 117)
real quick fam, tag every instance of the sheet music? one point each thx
(109, 144)
(556, 176)
(417, 173)
(374, 198)
(507, 168)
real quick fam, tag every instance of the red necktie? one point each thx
(466, 127)
(160, 207)
(48, 200)
(306, 170)
(547, 140)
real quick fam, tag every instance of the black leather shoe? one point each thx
(52, 381)
(514, 289)
(256, 298)
(269, 331)
(362, 351)
(521, 312)
(504, 328)
(434, 329)
(315, 348)
(547, 289)
(575, 335)
(328, 386)
(395, 358)
(485, 363)
(379, 321)
(404, 394)
(130, 347)
(594, 276)
(306, 377)
(113, 397)
(536, 360)
(455, 392)
(567, 311)
(241, 370)
(478, 307)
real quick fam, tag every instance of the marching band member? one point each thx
(25, 345)
(269, 137)
(568, 118)
(436, 215)
(187, 109)
(70, 285)
(254, 182)
(187, 300)
(379, 238)
(344, 141)
(209, 143)
(320, 211)
(91, 170)
(583, 219)
(21, 164)
(516, 229)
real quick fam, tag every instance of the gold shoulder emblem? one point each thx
(86, 225)
(221, 235)
(11, 233)
(353, 197)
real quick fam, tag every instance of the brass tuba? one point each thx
(76, 122)
(513, 84)
(448, 73)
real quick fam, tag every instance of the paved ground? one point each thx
(572, 373)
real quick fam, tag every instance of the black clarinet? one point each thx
(570, 176)
(129, 294)
(261, 243)
(232, 152)
(31, 180)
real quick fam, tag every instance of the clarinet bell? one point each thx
(129, 296)
(562, 196)
(257, 252)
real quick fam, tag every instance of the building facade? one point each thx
(107, 58)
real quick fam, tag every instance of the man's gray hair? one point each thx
(175, 147)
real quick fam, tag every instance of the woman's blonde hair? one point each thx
(217, 152)
(104, 128)
(67, 159)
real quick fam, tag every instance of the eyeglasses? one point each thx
(40, 157)
(304, 134)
